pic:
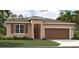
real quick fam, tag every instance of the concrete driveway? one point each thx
(68, 42)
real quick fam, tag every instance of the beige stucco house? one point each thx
(38, 28)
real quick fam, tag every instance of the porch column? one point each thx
(33, 31)
(42, 32)
(70, 33)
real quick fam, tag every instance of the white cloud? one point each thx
(23, 12)
(48, 14)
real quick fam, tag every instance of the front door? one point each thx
(37, 31)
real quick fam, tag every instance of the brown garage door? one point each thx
(56, 33)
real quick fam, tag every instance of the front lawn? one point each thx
(27, 43)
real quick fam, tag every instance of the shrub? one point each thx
(2, 30)
(18, 38)
(44, 39)
(26, 38)
(2, 38)
(76, 35)
(9, 38)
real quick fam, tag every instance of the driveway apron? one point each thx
(67, 42)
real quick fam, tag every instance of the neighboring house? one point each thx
(38, 28)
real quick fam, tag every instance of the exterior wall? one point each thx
(29, 30)
(9, 34)
(42, 29)
(37, 22)
(8, 29)
(70, 27)
(44, 25)
(59, 23)
(72, 32)
(28, 34)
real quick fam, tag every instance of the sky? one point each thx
(43, 13)
(53, 7)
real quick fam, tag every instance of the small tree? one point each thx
(14, 16)
(20, 17)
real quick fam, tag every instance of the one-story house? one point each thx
(39, 27)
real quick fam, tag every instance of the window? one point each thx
(19, 28)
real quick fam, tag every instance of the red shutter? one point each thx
(12, 28)
(26, 28)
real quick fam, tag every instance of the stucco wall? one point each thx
(41, 29)
(70, 27)
(8, 29)
(43, 26)
(29, 30)
(36, 21)
(9, 34)
(28, 34)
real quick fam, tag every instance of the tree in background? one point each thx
(14, 16)
(4, 14)
(20, 17)
(70, 16)
(76, 16)
(65, 15)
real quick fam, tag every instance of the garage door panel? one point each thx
(56, 33)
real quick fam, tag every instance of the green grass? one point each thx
(27, 43)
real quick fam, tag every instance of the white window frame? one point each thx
(19, 28)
